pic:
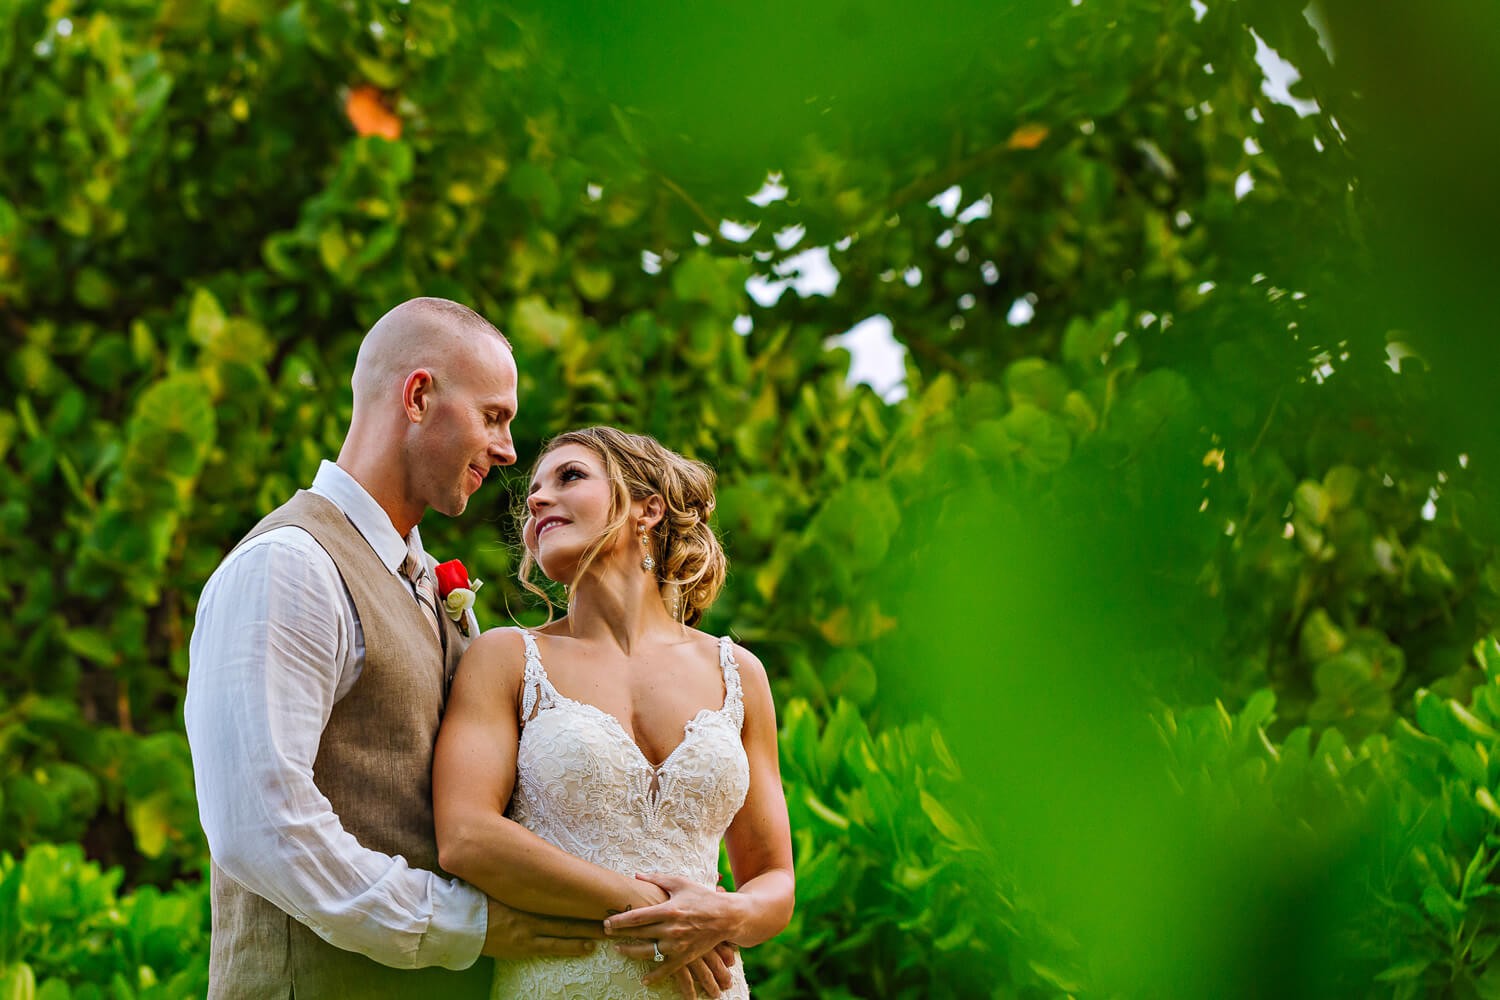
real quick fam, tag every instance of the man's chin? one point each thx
(452, 506)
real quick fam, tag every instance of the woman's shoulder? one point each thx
(502, 649)
(750, 668)
(492, 669)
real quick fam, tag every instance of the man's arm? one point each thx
(275, 637)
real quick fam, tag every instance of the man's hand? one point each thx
(518, 934)
(709, 974)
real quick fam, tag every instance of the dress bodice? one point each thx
(583, 784)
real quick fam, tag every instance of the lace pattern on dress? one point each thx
(585, 785)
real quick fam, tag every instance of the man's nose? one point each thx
(503, 451)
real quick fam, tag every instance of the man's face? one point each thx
(467, 431)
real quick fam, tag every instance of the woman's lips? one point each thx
(548, 523)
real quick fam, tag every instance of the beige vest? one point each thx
(374, 764)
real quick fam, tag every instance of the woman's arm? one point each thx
(759, 840)
(760, 853)
(473, 775)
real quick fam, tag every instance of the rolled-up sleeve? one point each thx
(273, 647)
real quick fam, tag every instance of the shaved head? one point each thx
(434, 395)
(431, 333)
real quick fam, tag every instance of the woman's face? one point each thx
(568, 509)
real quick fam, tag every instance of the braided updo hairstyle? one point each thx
(690, 563)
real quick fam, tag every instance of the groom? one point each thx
(319, 669)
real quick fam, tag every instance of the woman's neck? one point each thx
(622, 609)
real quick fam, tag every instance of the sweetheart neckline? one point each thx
(655, 769)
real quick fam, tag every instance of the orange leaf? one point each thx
(369, 114)
(1028, 136)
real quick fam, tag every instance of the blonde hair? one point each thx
(690, 563)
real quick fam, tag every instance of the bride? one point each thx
(590, 768)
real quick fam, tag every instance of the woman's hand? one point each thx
(686, 928)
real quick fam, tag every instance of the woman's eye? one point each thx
(569, 474)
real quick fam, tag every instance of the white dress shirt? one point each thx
(275, 645)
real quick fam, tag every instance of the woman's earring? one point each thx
(648, 564)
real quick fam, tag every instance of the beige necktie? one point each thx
(417, 573)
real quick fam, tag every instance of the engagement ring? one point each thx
(656, 955)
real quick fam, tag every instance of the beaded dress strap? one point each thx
(734, 693)
(537, 691)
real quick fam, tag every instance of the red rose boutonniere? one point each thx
(456, 592)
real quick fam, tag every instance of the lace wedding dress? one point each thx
(583, 784)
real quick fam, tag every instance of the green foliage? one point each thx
(887, 866)
(1184, 474)
(65, 931)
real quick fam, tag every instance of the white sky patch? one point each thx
(770, 190)
(743, 324)
(790, 236)
(1280, 76)
(1021, 311)
(810, 272)
(877, 359)
(981, 209)
(764, 291)
(844, 244)
(1243, 185)
(912, 276)
(736, 232)
(650, 262)
(593, 192)
(1199, 10)
(947, 201)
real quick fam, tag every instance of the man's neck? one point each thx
(380, 478)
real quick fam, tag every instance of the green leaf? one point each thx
(945, 823)
(1035, 382)
(150, 821)
(1312, 504)
(17, 982)
(92, 644)
(1055, 978)
(1412, 968)
(205, 318)
(1043, 443)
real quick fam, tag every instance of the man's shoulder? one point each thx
(275, 550)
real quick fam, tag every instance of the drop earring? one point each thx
(648, 563)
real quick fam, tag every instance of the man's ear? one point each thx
(416, 395)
